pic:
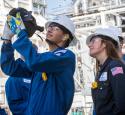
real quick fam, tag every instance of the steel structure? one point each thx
(87, 16)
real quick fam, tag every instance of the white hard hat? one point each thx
(117, 30)
(111, 32)
(64, 21)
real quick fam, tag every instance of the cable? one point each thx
(39, 36)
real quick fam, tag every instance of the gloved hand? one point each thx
(15, 24)
(7, 34)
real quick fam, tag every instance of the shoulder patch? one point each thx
(60, 52)
(27, 80)
(117, 70)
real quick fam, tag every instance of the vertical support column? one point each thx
(2, 7)
(116, 2)
(76, 10)
(1, 4)
(44, 8)
(30, 5)
(16, 3)
(84, 7)
(118, 20)
(2, 15)
(103, 16)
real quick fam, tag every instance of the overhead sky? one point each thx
(53, 4)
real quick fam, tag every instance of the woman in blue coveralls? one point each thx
(108, 89)
(17, 87)
(52, 84)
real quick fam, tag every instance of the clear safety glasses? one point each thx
(54, 27)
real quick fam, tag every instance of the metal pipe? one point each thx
(76, 7)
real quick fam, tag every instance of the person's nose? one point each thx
(89, 44)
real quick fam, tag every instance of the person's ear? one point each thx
(66, 37)
(104, 45)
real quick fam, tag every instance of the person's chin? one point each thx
(49, 36)
(92, 55)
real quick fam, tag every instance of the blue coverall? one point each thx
(17, 89)
(53, 84)
(17, 93)
(2, 111)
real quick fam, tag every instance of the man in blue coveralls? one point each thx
(17, 87)
(52, 88)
